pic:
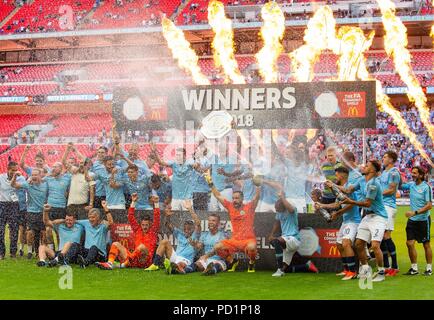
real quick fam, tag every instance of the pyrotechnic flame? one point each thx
(353, 45)
(223, 42)
(182, 51)
(319, 35)
(272, 34)
(395, 43)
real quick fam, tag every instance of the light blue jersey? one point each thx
(36, 196)
(210, 240)
(198, 181)
(354, 177)
(29, 170)
(99, 168)
(58, 188)
(21, 193)
(141, 164)
(95, 236)
(419, 196)
(353, 215)
(269, 194)
(114, 196)
(296, 178)
(182, 179)
(141, 187)
(387, 177)
(164, 192)
(184, 248)
(219, 180)
(374, 192)
(68, 234)
(288, 223)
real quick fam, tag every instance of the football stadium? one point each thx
(216, 150)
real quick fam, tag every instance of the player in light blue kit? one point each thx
(390, 179)
(347, 232)
(419, 220)
(372, 227)
(211, 263)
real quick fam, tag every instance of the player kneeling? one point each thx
(145, 240)
(181, 260)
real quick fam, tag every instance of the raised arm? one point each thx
(157, 214)
(23, 157)
(256, 197)
(65, 156)
(285, 202)
(14, 182)
(107, 213)
(168, 213)
(46, 218)
(189, 205)
(214, 190)
(115, 184)
(157, 156)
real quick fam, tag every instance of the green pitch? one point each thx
(21, 279)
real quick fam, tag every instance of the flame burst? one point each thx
(319, 35)
(182, 51)
(352, 66)
(272, 34)
(395, 43)
(223, 42)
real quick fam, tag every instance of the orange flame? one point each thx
(395, 43)
(223, 42)
(182, 51)
(319, 35)
(272, 34)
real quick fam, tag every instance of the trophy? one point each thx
(216, 124)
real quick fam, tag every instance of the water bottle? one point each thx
(339, 194)
(325, 214)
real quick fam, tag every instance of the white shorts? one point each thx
(372, 228)
(299, 203)
(292, 245)
(265, 207)
(206, 262)
(391, 214)
(174, 258)
(215, 205)
(178, 204)
(347, 231)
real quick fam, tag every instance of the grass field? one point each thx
(21, 279)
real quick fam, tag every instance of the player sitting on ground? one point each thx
(243, 235)
(69, 233)
(210, 263)
(145, 240)
(181, 260)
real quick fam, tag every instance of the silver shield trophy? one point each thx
(216, 124)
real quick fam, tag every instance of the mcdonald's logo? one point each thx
(333, 251)
(156, 115)
(353, 112)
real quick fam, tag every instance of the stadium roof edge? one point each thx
(364, 21)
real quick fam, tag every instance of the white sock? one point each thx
(414, 266)
(380, 269)
(429, 267)
(21, 246)
(29, 249)
(51, 246)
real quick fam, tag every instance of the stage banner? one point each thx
(318, 238)
(334, 105)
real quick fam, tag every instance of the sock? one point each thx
(381, 269)
(279, 252)
(392, 250)
(345, 263)
(351, 264)
(114, 251)
(428, 267)
(29, 249)
(157, 260)
(189, 269)
(252, 256)
(414, 266)
(21, 246)
(383, 248)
